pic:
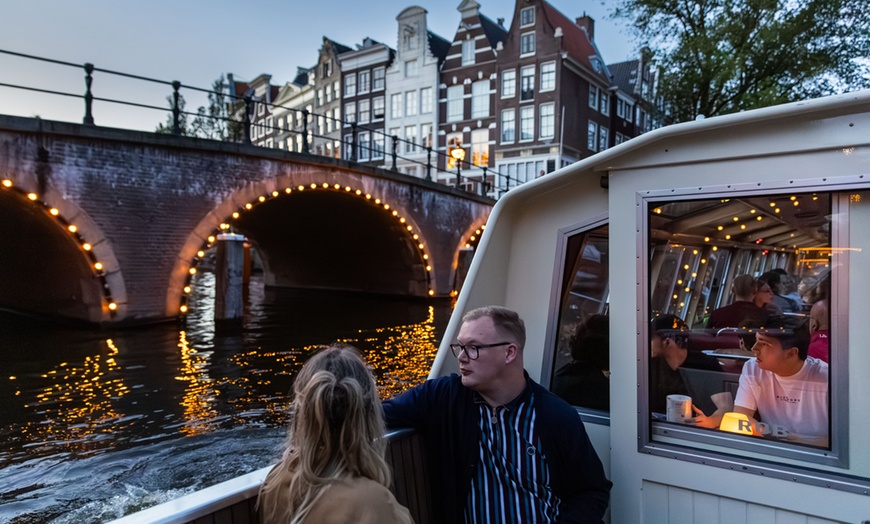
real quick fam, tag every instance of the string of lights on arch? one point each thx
(225, 226)
(86, 247)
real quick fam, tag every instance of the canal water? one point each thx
(97, 424)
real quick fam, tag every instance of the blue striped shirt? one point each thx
(512, 482)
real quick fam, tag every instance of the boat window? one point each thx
(741, 349)
(581, 365)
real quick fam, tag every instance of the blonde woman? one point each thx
(333, 470)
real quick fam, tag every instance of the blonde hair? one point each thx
(336, 431)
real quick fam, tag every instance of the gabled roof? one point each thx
(339, 48)
(494, 32)
(301, 78)
(625, 76)
(576, 42)
(438, 46)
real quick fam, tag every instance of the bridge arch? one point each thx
(57, 262)
(395, 259)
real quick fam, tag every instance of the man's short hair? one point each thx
(670, 326)
(744, 285)
(791, 332)
(506, 321)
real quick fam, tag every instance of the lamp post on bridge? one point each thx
(458, 154)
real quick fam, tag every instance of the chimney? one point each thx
(500, 22)
(587, 23)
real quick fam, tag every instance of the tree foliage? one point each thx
(212, 122)
(723, 56)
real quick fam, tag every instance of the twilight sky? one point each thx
(194, 41)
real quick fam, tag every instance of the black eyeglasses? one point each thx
(472, 350)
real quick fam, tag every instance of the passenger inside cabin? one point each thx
(334, 468)
(669, 352)
(492, 425)
(779, 282)
(743, 311)
(764, 298)
(819, 332)
(783, 388)
(585, 381)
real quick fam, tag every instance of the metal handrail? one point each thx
(500, 184)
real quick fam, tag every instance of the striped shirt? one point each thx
(512, 483)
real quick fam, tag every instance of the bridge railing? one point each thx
(364, 144)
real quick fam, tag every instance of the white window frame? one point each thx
(378, 103)
(527, 44)
(603, 138)
(365, 82)
(411, 103)
(604, 106)
(592, 136)
(593, 97)
(508, 125)
(468, 50)
(350, 85)
(455, 103)
(365, 111)
(527, 73)
(412, 68)
(509, 83)
(527, 123)
(547, 119)
(363, 147)
(426, 101)
(527, 16)
(548, 76)
(396, 107)
(349, 113)
(480, 92)
(410, 139)
(379, 76)
(480, 147)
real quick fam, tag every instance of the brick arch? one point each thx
(107, 300)
(465, 238)
(248, 197)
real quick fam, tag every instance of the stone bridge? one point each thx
(109, 225)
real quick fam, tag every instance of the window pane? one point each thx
(527, 123)
(508, 84)
(548, 76)
(480, 99)
(581, 368)
(730, 275)
(547, 120)
(508, 125)
(527, 83)
(468, 52)
(455, 103)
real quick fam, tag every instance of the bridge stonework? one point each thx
(147, 203)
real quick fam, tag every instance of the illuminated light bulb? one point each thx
(183, 308)
(262, 199)
(347, 188)
(86, 246)
(301, 188)
(211, 239)
(187, 289)
(752, 211)
(325, 185)
(742, 226)
(337, 186)
(735, 219)
(679, 282)
(703, 261)
(235, 214)
(416, 236)
(378, 201)
(688, 289)
(425, 257)
(313, 185)
(773, 204)
(815, 197)
(54, 211)
(682, 304)
(358, 192)
(386, 206)
(758, 218)
(274, 193)
(706, 239)
(720, 228)
(694, 251)
(467, 245)
(791, 235)
(676, 297)
(192, 271)
(288, 190)
(368, 196)
(428, 268)
(777, 210)
(249, 205)
(793, 197)
(727, 237)
(7, 182)
(395, 213)
(473, 238)
(72, 228)
(715, 248)
(686, 266)
(658, 211)
(797, 203)
(98, 266)
(32, 196)
(431, 292)
(200, 253)
(113, 306)
(694, 275)
(409, 228)
(402, 220)
(420, 246)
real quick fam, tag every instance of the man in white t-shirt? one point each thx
(788, 389)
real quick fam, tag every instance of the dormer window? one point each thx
(527, 16)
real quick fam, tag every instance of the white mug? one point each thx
(679, 408)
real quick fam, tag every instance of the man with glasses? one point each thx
(501, 448)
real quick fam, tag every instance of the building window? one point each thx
(508, 125)
(426, 135)
(363, 146)
(326, 69)
(527, 44)
(592, 136)
(337, 117)
(527, 123)
(350, 112)
(602, 138)
(605, 103)
(410, 139)
(425, 100)
(320, 97)
(527, 83)
(364, 81)
(455, 103)
(548, 76)
(411, 103)
(396, 105)
(411, 68)
(378, 76)
(350, 85)
(468, 52)
(328, 124)
(348, 144)
(336, 90)
(378, 146)
(593, 97)
(548, 121)
(480, 147)
(619, 139)
(509, 83)
(365, 114)
(527, 16)
(480, 99)
(378, 108)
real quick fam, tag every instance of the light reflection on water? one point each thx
(117, 408)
